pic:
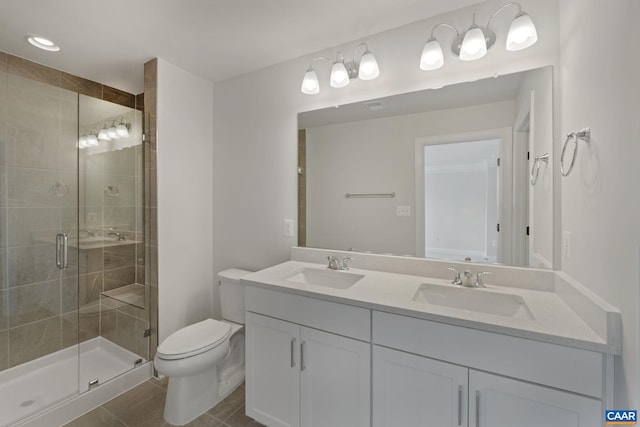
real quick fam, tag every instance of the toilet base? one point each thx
(190, 396)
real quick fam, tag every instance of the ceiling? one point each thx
(460, 95)
(109, 41)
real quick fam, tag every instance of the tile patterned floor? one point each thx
(143, 405)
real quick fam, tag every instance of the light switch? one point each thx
(288, 227)
(566, 244)
(403, 210)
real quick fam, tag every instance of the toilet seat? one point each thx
(194, 339)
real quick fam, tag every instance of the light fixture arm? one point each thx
(355, 52)
(317, 58)
(443, 24)
(497, 12)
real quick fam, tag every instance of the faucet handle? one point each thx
(456, 280)
(333, 262)
(479, 280)
(345, 263)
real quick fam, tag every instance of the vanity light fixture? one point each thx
(475, 41)
(42, 43)
(110, 132)
(365, 68)
(123, 129)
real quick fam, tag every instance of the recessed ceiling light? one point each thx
(43, 43)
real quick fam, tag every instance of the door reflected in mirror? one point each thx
(441, 173)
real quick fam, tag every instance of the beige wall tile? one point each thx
(32, 226)
(29, 109)
(4, 312)
(31, 70)
(119, 277)
(31, 264)
(118, 96)
(3, 229)
(34, 340)
(3, 96)
(31, 187)
(121, 162)
(120, 217)
(81, 291)
(30, 303)
(32, 148)
(119, 256)
(4, 350)
(126, 185)
(150, 75)
(80, 85)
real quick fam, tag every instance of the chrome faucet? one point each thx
(89, 233)
(336, 264)
(120, 236)
(468, 279)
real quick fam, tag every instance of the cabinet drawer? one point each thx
(346, 320)
(567, 368)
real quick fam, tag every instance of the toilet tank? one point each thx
(232, 294)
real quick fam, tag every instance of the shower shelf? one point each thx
(132, 294)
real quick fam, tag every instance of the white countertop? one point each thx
(553, 319)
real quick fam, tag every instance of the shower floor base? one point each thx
(33, 386)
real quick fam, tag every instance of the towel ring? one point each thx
(535, 169)
(60, 189)
(584, 134)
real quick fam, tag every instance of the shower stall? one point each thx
(74, 309)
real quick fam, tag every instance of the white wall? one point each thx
(255, 122)
(377, 156)
(185, 208)
(537, 84)
(600, 203)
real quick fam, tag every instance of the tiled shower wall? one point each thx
(150, 193)
(38, 303)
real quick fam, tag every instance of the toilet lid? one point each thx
(190, 339)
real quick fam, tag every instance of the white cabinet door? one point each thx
(502, 402)
(413, 391)
(334, 380)
(273, 372)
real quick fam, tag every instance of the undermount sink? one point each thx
(327, 278)
(474, 300)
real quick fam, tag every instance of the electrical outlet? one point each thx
(566, 244)
(403, 210)
(288, 228)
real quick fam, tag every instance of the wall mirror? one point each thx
(463, 172)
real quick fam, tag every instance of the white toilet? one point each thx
(205, 361)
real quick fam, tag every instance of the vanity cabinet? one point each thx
(549, 385)
(496, 401)
(413, 390)
(410, 390)
(302, 376)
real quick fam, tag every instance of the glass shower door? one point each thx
(113, 310)
(38, 265)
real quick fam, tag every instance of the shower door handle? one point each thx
(62, 251)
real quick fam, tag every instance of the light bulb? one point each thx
(432, 57)
(112, 133)
(310, 84)
(368, 67)
(522, 33)
(122, 130)
(339, 75)
(474, 44)
(92, 140)
(103, 135)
